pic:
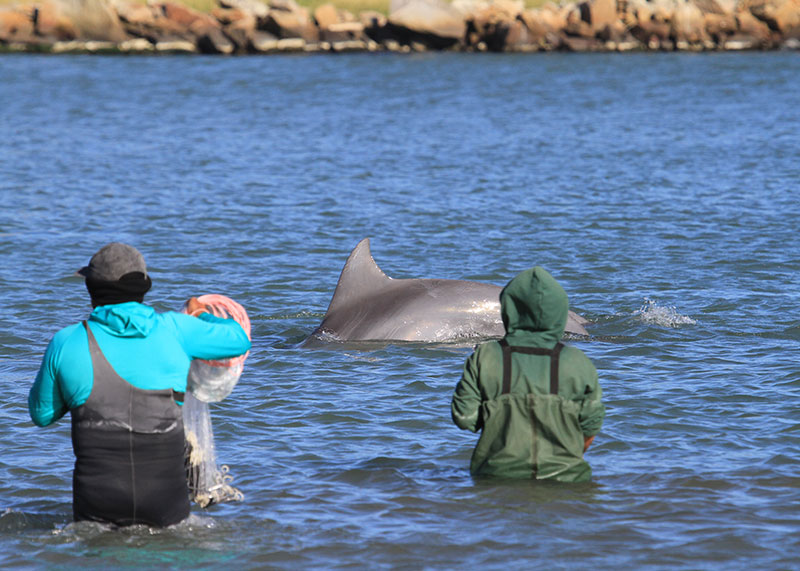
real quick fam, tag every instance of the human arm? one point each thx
(209, 337)
(466, 401)
(592, 410)
(46, 403)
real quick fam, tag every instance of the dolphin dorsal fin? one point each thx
(360, 276)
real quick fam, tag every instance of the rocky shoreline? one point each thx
(281, 26)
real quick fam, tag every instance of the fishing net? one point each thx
(210, 381)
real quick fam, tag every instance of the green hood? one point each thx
(534, 309)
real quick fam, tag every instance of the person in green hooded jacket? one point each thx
(536, 401)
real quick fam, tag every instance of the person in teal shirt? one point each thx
(122, 375)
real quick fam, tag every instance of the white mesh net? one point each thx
(209, 483)
(210, 381)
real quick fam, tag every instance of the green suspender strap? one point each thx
(553, 353)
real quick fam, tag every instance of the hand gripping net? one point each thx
(210, 381)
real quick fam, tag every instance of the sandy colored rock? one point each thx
(255, 8)
(285, 24)
(780, 15)
(433, 17)
(49, 22)
(749, 25)
(688, 24)
(326, 15)
(601, 13)
(93, 19)
(719, 26)
(15, 26)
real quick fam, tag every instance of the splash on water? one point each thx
(654, 314)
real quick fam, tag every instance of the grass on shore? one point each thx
(354, 6)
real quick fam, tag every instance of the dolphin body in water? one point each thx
(368, 305)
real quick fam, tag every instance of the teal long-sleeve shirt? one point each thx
(149, 350)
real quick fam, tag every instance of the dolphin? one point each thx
(368, 305)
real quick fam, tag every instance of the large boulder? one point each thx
(15, 26)
(600, 14)
(326, 15)
(197, 23)
(431, 22)
(719, 26)
(93, 19)
(287, 20)
(213, 40)
(495, 24)
(254, 8)
(652, 27)
(688, 24)
(542, 27)
(752, 33)
(50, 23)
(780, 15)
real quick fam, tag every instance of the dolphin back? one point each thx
(368, 305)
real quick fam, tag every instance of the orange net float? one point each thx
(212, 381)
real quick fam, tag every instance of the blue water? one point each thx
(659, 189)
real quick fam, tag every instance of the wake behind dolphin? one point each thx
(368, 305)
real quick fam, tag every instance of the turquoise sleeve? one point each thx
(45, 403)
(64, 380)
(210, 337)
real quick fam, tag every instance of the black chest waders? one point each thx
(129, 451)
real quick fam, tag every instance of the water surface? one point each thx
(659, 189)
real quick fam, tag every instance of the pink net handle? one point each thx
(225, 307)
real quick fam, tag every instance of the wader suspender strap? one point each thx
(554, 353)
(176, 395)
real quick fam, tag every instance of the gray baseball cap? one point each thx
(113, 261)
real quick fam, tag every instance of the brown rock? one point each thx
(255, 8)
(719, 26)
(93, 20)
(749, 25)
(343, 32)
(15, 26)
(688, 24)
(600, 13)
(185, 16)
(711, 7)
(780, 15)
(492, 25)
(520, 39)
(136, 13)
(651, 32)
(49, 22)
(553, 17)
(262, 42)
(433, 18)
(227, 16)
(326, 15)
(296, 24)
(577, 23)
(214, 41)
(537, 24)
